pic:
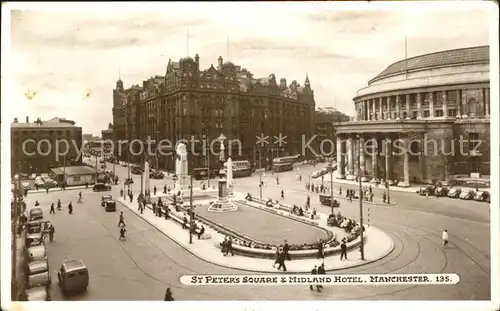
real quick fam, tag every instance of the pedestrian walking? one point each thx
(184, 222)
(121, 221)
(445, 238)
(286, 249)
(321, 270)
(314, 271)
(52, 210)
(282, 194)
(51, 233)
(70, 208)
(122, 233)
(384, 197)
(277, 256)
(165, 189)
(154, 190)
(58, 204)
(343, 250)
(168, 295)
(282, 261)
(320, 249)
(224, 246)
(200, 233)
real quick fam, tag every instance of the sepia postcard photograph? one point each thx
(250, 155)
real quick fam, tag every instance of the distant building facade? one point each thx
(107, 134)
(325, 120)
(226, 99)
(439, 96)
(39, 140)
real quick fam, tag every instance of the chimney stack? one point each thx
(15, 120)
(27, 119)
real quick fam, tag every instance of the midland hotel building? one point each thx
(442, 97)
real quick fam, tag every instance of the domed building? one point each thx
(422, 120)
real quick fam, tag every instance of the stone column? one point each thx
(459, 104)
(380, 109)
(340, 158)
(373, 108)
(445, 104)
(350, 162)
(464, 104)
(408, 106)
(374, 151)
(481, 100)
(362, 156)
(388, 158)
(406, 164)
(419, 106)
(398, 104)
(487, 102)
(431, 104)
(388, 99)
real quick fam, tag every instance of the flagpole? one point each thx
(406, 56)
(187, 42)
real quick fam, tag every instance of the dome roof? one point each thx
(228, 64)
(185, 59)
(438, 59)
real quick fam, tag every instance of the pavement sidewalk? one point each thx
(58, 189)
(377, 245)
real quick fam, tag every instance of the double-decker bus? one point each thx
(241, 168)
(284, 164)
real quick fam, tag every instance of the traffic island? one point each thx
(377, 245)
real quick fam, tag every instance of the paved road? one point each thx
(143, 266)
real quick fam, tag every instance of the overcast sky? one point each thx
(63, 55)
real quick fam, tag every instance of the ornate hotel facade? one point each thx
(188, 101)
(436, 106)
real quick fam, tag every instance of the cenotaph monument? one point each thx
(181, 168)
(146, 183)
(229, 177)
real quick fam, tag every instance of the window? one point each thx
(426, 113)
(394, 115)
(76, 178)
(439, 113)
(474, 165)
(221, 125)
(452, 112)
(473, 140)
(184, 112)
(405, 115)
(413, 114)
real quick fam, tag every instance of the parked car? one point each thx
(101, 187)
(38, 273)
(426, 189)
(441, 191)
(482, 196)
(33, 239)
(33, 176)
(26, 185)
(44, 176)
(136, 170)
(156, 175)
(35, 226)
(124, 164)
(35, 213)
(467, 195)
(454, 193)
(36, 253)
(73, 276)
(36, 294)
(105, 198)
(50, 183)
(129, 181)
(110, 206)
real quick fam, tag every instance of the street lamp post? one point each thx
(331, 185)
(207, 150)
(17, 189)
(191, 218)
(362, 244)
(260, 171)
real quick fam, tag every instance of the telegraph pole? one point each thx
(64, 171)
(331, 185)
(362, 245)
(207, 150)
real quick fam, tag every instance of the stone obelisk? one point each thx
(146, 184)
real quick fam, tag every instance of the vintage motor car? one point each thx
(41, 293)
(101, 187)
(454, 193)
(441, 191)
(110, 206)
(481, 196)
(426, 189)
(467, 195)
(73, 276)
(35, 213)
(129, 181)
(327, 200)
(33, 239)
(36, 253)
(105, 198)
(38, 273)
